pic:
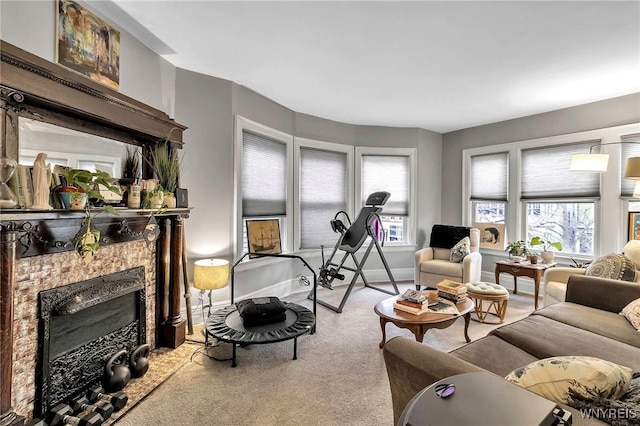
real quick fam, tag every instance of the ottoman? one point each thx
(492, 296)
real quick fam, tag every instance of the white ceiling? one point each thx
(440, 66)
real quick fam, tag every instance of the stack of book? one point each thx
(414, 302)
(451, 290)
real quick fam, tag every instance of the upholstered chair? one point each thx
(555, 279)
(433, 264)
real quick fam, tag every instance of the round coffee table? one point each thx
(419, 324)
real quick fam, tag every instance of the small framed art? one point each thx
(634, 226)
(263, 237)
(491, 235)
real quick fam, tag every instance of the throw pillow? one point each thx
(632, 313)
(613, 266)
(460, 250)
(565, 379)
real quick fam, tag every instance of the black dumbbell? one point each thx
(105, 409)
(117, 399)
(63, 414)
(36, 422)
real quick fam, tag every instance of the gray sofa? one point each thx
(586, 323)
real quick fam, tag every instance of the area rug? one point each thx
(339, 377)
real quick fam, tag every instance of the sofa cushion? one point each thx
(494, 354)
(460, 250)
(573, 378)
(446, 236)
(543, 337)
(632, 313)
(442, 267)
(613, 266)
(604, 323)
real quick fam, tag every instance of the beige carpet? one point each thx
(339, 377)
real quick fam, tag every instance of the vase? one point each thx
(547, 256)
(170, 201)
(72, 199)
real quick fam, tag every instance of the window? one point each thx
(324, 178)
(264, 174)
(489, 189)
(560, 205)
(390, 170)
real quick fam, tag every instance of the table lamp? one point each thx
(210, 274)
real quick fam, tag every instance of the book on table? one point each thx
(415, 296)
(436, 307)
(452, 287)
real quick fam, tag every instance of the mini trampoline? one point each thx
(226, 324)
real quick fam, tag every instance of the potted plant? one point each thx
(546, 253)
(532, 256)
(82, 189)
(166, 164)
(516, 250)
(130, 166)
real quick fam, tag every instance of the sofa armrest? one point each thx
(422, 255)
(601, 293)
(472, 267)
(412, 366)
(561, 275)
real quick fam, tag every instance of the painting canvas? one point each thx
(87, 44)
(634, 226)
(263, 237)
(491, 235)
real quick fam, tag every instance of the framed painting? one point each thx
(87, 44)
(263, 237)
(634, 226)
(491, 235)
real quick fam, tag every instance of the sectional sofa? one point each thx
(586, 323)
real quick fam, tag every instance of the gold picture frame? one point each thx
(634, 226)
(87, 44)
(491, 235)
(263, 237)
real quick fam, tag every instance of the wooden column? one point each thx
(7, 283)
(173, 329)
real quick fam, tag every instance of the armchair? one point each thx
(555, 279)
(432, 263)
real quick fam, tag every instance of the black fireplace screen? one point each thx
(81, 326)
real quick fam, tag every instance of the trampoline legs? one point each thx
(295, 348)
(233, 355)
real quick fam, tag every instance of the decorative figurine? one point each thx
(41, 183)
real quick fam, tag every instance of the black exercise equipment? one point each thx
(117, 399)
(81, 404)
(62, 414)
(116, 372)
(350, 241)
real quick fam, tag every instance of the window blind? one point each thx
(545, 173)
(489, 176)
(264, 176)
(388, 173)
(323, 193)
(628, 150)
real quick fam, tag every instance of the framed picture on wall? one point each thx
(491, 235)
(263, 237)
(634, 226)
(87, 44)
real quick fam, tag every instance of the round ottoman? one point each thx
(495, 295)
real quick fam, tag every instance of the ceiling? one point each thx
(440, 66)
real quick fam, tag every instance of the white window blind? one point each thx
(628, 150)
(264, 176)
(545, 173)
(323, 193)
(489, 176)
(388, 173)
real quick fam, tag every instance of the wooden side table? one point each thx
(523, 269)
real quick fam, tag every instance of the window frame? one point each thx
(300, 143)
(360, 151)
(286, 229)
(605, 240)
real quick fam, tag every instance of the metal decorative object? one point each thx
(151, 232)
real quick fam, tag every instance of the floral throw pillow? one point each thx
(632, 313)
(460, 250)
(570, 379)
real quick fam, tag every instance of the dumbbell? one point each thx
(36, 422)
(63, 414)
(105, 409)
(118, 399)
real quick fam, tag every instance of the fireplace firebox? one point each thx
(81, 325)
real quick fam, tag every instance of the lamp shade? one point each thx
(589, 162)
(210, 274)
(632, 169)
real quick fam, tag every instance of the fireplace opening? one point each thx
(81, 326)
